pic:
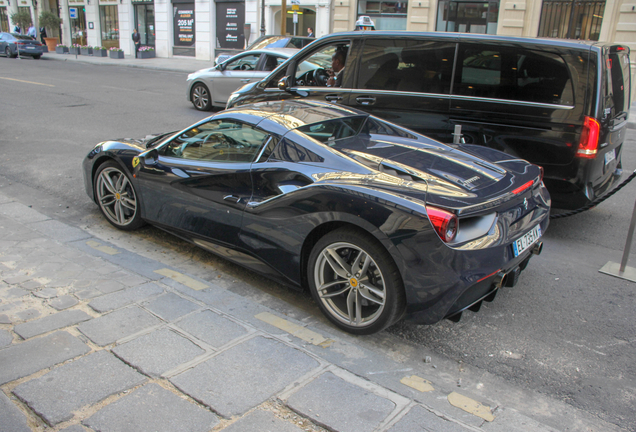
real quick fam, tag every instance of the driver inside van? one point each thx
(337, 67)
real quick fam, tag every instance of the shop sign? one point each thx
(230, 21)
(142, 1)
(184, 24)
(72, 12)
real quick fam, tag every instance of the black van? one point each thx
(561, 104)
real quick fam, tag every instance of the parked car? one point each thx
(374, 219)
(12, 44)
(561, 104)
(271, 41)
(211, 87)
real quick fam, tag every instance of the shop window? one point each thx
(4, 19)
(571, 20)
(109, 20)
(387, 15)
(468, 17)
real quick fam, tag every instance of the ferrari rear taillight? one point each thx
(444, 222)
(588, 145)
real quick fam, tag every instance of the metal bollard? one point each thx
(622, 271)
(457, 134)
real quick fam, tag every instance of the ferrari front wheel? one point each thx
(355, 282)
(116, 197)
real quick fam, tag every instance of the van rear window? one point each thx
(616, 89)
(513, 74)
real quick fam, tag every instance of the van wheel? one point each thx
(200, 97)
(355, 282)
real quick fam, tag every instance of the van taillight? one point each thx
(588, 145)
(444, 222)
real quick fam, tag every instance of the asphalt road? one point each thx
(565, 330)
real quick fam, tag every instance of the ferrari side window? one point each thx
(217, 141)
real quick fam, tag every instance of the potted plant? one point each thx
(116, 53)
(100, 51)
(146, 52)
(51, 23)
(74, 49)
(86, 50)
(61, 49)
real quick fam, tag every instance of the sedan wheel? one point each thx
(7, 52)
(200, 97)
(355, 282)
(116, 197)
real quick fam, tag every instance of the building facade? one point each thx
(202, 28)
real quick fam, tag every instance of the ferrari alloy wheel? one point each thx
(116, 197)
(200, 97)
(355, 282)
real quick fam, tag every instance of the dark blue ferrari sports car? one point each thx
(376, 221)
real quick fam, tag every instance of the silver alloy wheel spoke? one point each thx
(330, 284)
(335, 293)
(108, 183)
(372, 294)
(336, 262)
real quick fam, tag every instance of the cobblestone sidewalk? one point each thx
(93, 337)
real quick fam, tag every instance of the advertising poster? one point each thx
(184, 24)
(230, 19)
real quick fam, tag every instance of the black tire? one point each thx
(200, 97)
(361, 303)
(37, 57)
(116, 197)
(7, 52)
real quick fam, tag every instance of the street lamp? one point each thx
(262, 17)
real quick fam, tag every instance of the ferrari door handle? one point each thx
(365, 100)
(333, 98)
(232, 198)
(245, 80)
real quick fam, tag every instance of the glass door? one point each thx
(78, 25)
(145, 25)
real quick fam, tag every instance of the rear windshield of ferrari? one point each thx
(330, 131)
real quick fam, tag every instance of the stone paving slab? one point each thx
(60, 231)
(23, 359)
(170, 306)
(51, 322)
(116, 325)
(152, 408)
(72, 386)
(109, 286)
(74, 428)
(421, 419)
(5, 338)
(128, 260)
(158, 352)
(63, 302)
(24, 214)
(230, 385)
(322, 401)
(119, 299)
(11, 418)
(211, 328)
(261, 421)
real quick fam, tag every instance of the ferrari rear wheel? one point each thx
(355, 282)
(116, 197)
(200, 97)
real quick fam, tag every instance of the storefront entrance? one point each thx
(77, 16)
(468, 17)
(145, 21)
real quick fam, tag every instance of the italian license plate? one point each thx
(610, 156)
(528, 239)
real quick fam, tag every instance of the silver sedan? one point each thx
(212, 87)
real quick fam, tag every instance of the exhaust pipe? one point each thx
(500, 279)
(537, 248)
